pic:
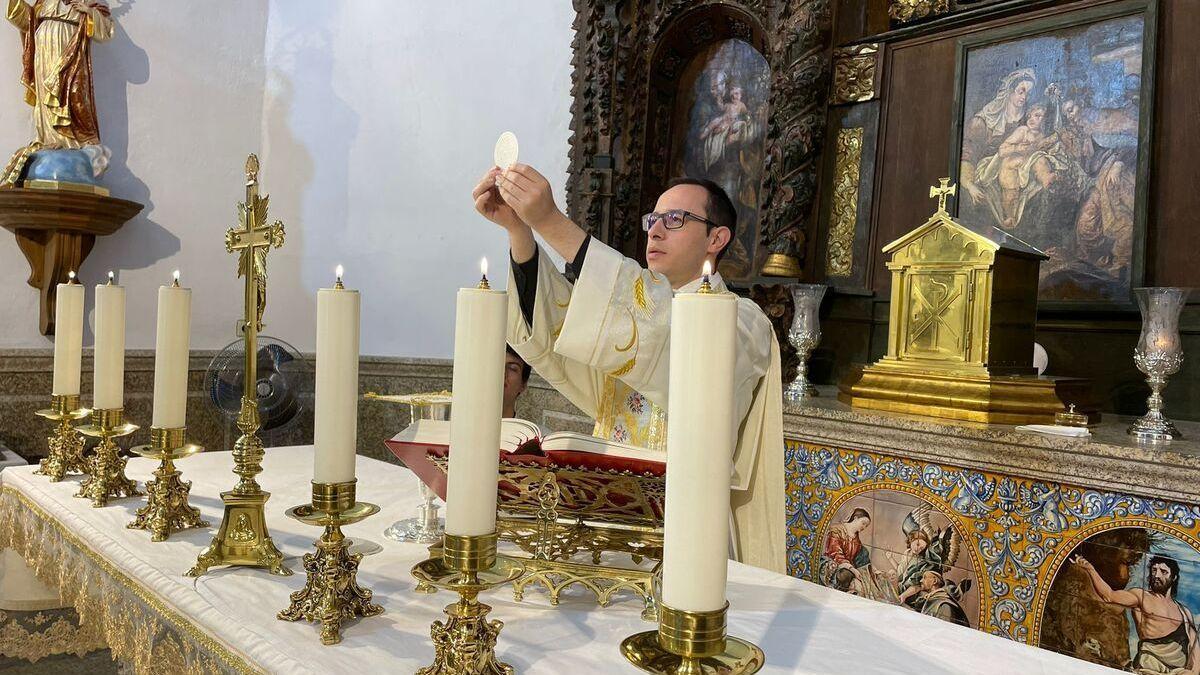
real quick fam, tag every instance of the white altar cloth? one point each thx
(802, 627)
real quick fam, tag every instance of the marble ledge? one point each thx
(1107, 460)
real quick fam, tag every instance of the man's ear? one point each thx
(718, 239)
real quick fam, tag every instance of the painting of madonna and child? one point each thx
(719, 133)
(894, 547)
(1127, 598)
(1050, 151)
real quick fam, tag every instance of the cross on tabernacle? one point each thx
(942, 192)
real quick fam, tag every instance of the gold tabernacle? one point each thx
(692, 643)
(243, 538)
(961, 329)
(64, 448)
(106, 468)
(331, 593)
(466, 641)
(167, 509)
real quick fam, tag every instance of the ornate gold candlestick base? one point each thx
(691, 643)
(65, 447)
(107, 478)
(243, 538)
(466, 641)
(331, 594)
(167, 509)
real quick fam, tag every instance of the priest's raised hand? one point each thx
(490, 205)
(528, 193)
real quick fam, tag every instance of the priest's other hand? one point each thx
(529, 194)
(490, 205)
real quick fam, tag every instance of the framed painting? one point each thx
(720, 130)
(1051, 144)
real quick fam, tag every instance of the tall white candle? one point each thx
(171, 356)
(108, 375)
(68, 337)
(336, 417)
(700, 443)
(478, 390)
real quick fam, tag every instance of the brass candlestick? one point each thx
(65, 447)
(243, 538)
(466, 642)
(106, 468)
(331, 594)
(691, 643)
(167, 509)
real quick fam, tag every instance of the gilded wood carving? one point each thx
(839, 256)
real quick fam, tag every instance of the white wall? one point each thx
(373, 120)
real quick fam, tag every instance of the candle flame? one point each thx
(338, 282)
(71, 275)
(483, 266)
(339, 270)
(707, 268)
(176, 275)
(111, 276)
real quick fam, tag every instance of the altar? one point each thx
(158, 620)
(1012, 509)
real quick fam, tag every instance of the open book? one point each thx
(525, 437)
(426, 442)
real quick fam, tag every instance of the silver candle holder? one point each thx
(1158, 354)
(804, 335)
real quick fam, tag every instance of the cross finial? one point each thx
(941, 192)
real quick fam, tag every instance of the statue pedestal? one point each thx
(56, 230)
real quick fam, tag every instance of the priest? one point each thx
(600, 333)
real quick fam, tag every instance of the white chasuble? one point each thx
(603, 343)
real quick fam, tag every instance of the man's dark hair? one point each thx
(719, 208)
(525, 367)
(1171, 565)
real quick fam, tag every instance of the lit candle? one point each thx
(68, 337)
(335, 420)
(478, 390)
(700, 443)
(108, 375)
(171, 345)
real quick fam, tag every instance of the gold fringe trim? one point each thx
(139, 628)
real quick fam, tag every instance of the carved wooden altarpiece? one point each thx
(629, 58)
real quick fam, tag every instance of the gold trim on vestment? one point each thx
(152, 640)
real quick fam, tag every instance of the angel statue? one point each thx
(56, 70)
(928, 549)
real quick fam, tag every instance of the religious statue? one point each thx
(57, 66)
(57, 75)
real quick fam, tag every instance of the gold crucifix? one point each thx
(945, 190)
(253, 238)
(243, 538)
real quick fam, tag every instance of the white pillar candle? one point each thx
(700, 444)
(171, 356)
(108, 375)
(336, 416)
(68, 337)
(478, 390)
